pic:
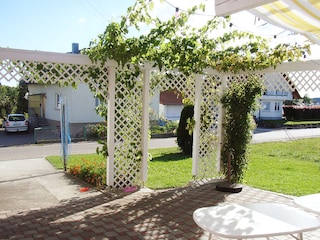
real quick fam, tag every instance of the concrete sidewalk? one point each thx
(35, 183)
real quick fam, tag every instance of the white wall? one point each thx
(173, 112)
(81, 102)
(82, 105)
(154, 105)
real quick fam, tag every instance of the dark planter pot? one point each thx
(231, 188)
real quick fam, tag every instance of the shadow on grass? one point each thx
(169, 157)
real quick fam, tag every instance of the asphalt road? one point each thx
(15, 139)
(21, 146)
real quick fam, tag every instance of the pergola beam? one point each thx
(228, 7)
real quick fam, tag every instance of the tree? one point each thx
(22, 102)
(184, 136)
(306, 99)
(8, 99)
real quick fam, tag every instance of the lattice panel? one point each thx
(128, 123)
(10, 70)
(99, 85)
(208, 149)
(173, 80)
(276, 82)
(305, 80)
(55, 73)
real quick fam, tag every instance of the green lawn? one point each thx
(168, 169)
(286, 167)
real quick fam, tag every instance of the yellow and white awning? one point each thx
(300, 16)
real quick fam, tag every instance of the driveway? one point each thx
(14, 139)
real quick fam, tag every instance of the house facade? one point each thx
(277, 91)
(270, 105)
(166, 105)
(45, 102)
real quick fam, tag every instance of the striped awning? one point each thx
(300, 16)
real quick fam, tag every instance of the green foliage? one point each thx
(298, 123)
(306, 99)
(184, 130)
(102, 108)
(92, 172)
(97, 131)
(239, 102)
(176, 44)
(8, 99)
(163, 126)
(102, 139)
(90, 168)
(22, 102)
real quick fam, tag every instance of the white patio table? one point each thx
(255, 220)
(309, 202)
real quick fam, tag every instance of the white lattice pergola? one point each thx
(128, 103)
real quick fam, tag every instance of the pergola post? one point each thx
(110, 122)
(145, 121)
(223, 87)
(196, 130)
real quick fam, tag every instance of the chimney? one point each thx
(75, 48)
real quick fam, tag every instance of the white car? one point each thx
(16, 123)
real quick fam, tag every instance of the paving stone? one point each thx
(143, 215)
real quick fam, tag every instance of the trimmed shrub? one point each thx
(184, 139)
(96, 131)
(294, 112)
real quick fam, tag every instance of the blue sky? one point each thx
(53, 25)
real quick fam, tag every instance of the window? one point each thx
(265, 106)
(58, 100)
(277, 106)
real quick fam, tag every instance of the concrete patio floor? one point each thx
(145, 214)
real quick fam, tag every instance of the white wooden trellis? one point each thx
(128, 105)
